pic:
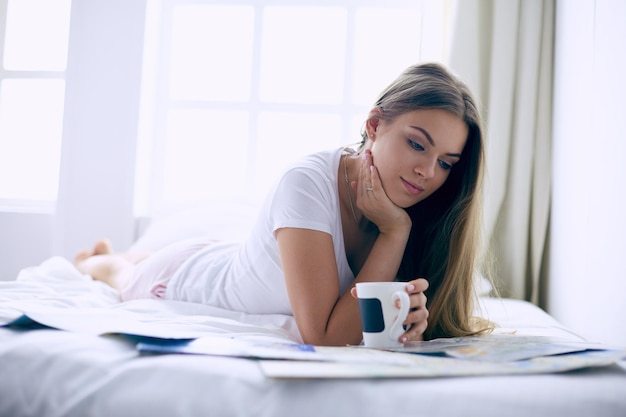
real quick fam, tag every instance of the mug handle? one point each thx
(396, 328)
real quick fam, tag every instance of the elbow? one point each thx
(329, 340)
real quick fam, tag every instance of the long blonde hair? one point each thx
(445, 241)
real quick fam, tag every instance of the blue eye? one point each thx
(445, 165)
(415, 145)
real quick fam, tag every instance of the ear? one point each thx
(373, 121)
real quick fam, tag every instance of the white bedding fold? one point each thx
(57, 295)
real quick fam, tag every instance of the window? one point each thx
(235, 91)
(33, 50)
(232, 91)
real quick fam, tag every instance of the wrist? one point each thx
(397, 235)
(401, 227)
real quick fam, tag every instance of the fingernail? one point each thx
(364, 157)
(410, 287)
(404, 339)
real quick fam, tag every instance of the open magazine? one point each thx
(485, 355)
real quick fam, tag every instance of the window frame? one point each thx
(152, 138)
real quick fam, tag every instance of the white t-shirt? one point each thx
(248, 276)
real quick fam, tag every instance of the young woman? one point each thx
(404, 206)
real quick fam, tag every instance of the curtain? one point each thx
(504, 51)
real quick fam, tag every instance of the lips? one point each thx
(412, 188)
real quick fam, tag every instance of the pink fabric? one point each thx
(150, 277)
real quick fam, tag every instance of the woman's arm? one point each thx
(308, 258)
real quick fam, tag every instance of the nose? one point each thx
(426, 168)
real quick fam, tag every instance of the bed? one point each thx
(70, 347)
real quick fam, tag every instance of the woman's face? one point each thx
(415, 152)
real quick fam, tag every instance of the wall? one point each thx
(587, 287)
(24, 241)
(100, 125)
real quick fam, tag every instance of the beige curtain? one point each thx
(503, 50)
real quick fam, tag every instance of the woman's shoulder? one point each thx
(314, 173)
(318, 165)
(324, 160)
(311, 168)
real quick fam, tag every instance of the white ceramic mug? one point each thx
(381, 319)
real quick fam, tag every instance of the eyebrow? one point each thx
(432, 142)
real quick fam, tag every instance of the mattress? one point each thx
(70, 347)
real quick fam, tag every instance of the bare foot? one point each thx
(102, 264)
(101, 247)
(81, 256)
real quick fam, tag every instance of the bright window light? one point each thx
(379, 59)
(31, 119)
(201, 146)
(211, 53)
(36, 36)
(303, 54)
(248, 88)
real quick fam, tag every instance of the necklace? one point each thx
(347, 181)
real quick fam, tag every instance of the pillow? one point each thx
(218, 221)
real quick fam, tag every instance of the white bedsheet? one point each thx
(83, 373)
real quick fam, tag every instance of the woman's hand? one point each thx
(417, 320)
(373, 201)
